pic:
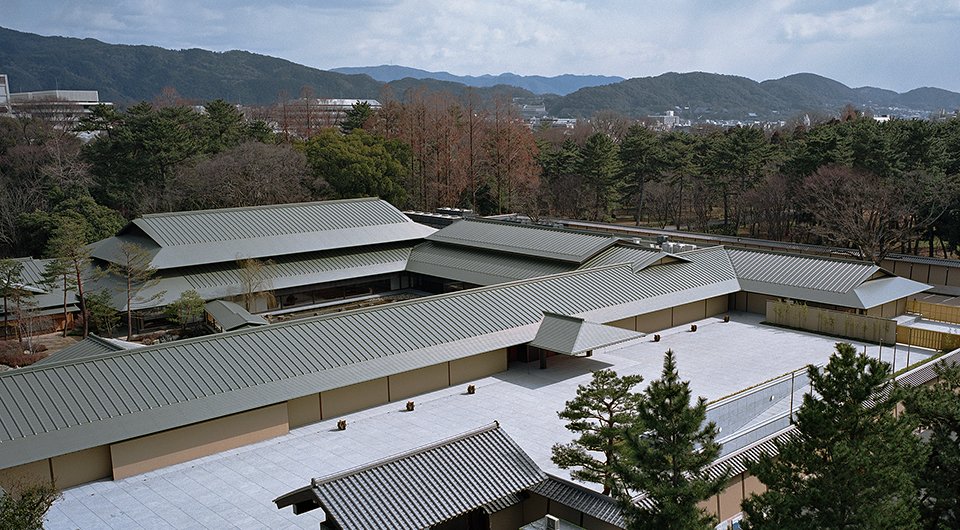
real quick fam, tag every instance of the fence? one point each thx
(940, 313)
(928, 338)
(830, 322)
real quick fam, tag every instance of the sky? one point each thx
(893, 44)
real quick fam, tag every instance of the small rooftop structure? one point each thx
(527, 240)
(89, 347)
(423, 487)
(228, 316)
(573, 336)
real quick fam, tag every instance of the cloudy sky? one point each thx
(896, 44)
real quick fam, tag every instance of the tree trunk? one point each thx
(65, 313)
(82, 300)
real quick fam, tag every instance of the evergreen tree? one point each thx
(599, 414)
(665, 456)
(11, 272)
(68, 244)
(937, 408)
(359, 113)
(852, 463)
(641, 160)
(599, 167)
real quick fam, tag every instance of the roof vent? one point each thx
(553, 523)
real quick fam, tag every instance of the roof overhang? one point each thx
(573, 335)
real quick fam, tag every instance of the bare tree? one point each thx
(871, 214)
(255, 282)
(250, 174)
(138, 276)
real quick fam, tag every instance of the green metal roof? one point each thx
(69, 406)
(224, 280)
(478, 266)
(572, 335)
(183, 239)
(527, 240)
(88, 347)
(230, 316)
(842, 282)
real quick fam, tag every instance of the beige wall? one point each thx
(757, 303)
(163, 449)
(477, 366)
(729, 499)
(303, 411)
(685, 313)
(82, 466)
(26, 475)
(938, 276)
(419, 381)
(352, 398)
(718, 305)
(655, 321)
(625, 323)
(920, 272)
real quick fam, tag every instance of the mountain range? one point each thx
(126, 74)
(538, 84)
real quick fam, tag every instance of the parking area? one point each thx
(235, 488)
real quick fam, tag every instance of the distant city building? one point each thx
(668, 121)
(303, 117)
(882, 118)
(4, 95)
(65, 107)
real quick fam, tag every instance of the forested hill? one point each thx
(538, 84)
(704, 95)
(126, 74)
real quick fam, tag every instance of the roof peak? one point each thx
(158, 215)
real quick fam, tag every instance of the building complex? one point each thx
(485, 299)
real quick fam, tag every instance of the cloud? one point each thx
(855, 41)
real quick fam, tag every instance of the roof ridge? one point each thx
(314, 482)
(560, 229)
(329, 316)
(159, 215)
(801, 255)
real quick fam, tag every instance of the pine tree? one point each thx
(937, 409)
(665, 456)
(599, 414)
(138, 275)
(852, 464)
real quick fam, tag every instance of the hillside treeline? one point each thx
(854, 182)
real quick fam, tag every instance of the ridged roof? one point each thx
(572, 335)
(183, 239)
(842, 282)
(88, 347)
(226, 279)
(526, 240)
(478, 266)
(592, 503)
(64, 407)
(230, 316)
(426, 486)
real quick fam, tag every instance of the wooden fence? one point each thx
(938, 312)
(830, 322)
(928, 338)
